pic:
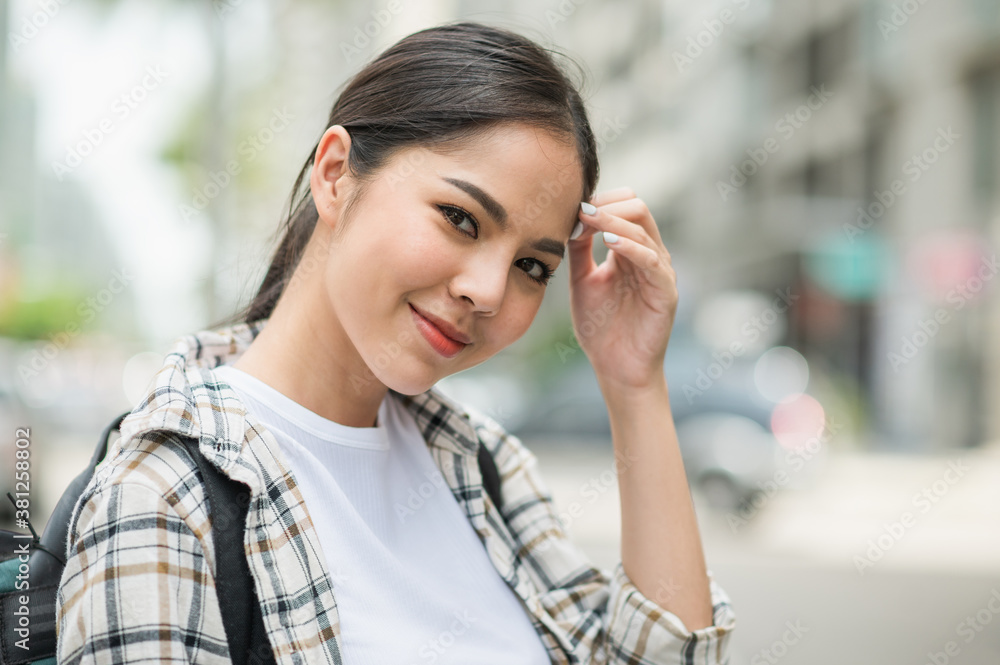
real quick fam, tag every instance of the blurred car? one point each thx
(724, 410)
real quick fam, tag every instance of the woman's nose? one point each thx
(483, 282)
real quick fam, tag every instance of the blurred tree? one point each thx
(40, 319)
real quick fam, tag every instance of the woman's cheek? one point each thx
(421, 245)
(520, 312)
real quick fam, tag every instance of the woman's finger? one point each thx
(602, 220)
(636, 211)
(645, 258)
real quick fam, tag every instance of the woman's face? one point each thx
(465, 239)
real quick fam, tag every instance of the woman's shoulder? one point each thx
(139, 545)
(152, 462)
(156, 458)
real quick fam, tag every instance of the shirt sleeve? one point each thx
(136, 587)
(603, 615)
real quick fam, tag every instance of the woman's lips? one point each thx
(440, 342)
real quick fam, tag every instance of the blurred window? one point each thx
(986, 109)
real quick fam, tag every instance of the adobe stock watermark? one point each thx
(315, 257)
(338, 576)
(899, 17)
(20, 618)
(595, 320)
(914, 168)
(562, 12)
(87, 309)
(786, 127)
(923, 501)
(434, 647)
(751, 332)
(225, 7)
(796, 460)
(34, 23)
(248, 150)
(121, 108)
(389, 352)
(593, 489)
(363, 35)
(665, 591)
(605, 133)
(927, 329)
(780, 647)
(704, 38)
(968, 628)
(405, 167)
(418, 496)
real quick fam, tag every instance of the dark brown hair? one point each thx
(437, 87)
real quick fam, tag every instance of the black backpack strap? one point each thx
(491, 477)
(57, 528)
(228, 501)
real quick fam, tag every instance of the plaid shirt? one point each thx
(139, 579)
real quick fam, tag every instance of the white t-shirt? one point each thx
(412, 585)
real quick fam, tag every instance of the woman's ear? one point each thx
(328, 179)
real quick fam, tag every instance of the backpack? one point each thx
(28, 629)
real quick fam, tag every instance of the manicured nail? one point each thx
(577, 230)
(587, 208)
(610, 238)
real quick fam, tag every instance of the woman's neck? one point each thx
(304, 353)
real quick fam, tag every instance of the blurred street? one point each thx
(794, 559)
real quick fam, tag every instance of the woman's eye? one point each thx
(538, 271)
(456, 216)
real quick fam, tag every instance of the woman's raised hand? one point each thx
(623, 309)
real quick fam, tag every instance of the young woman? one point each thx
(455, 173)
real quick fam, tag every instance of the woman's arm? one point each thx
(623, 312)
(602, 615)
(660, 546)
(136, 587)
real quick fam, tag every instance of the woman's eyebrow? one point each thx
(499, 215)
(551, 246)
(490, 204)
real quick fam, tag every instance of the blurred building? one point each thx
(59, 375)
(848, 150)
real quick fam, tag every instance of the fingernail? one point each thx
(610, 238)
(587, 208)
(577, 230)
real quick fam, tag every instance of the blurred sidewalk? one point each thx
(795, 559)
(857, 506)
(893, 511)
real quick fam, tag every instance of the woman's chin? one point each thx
(410, 387)
(408, 383)
(411, 374)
